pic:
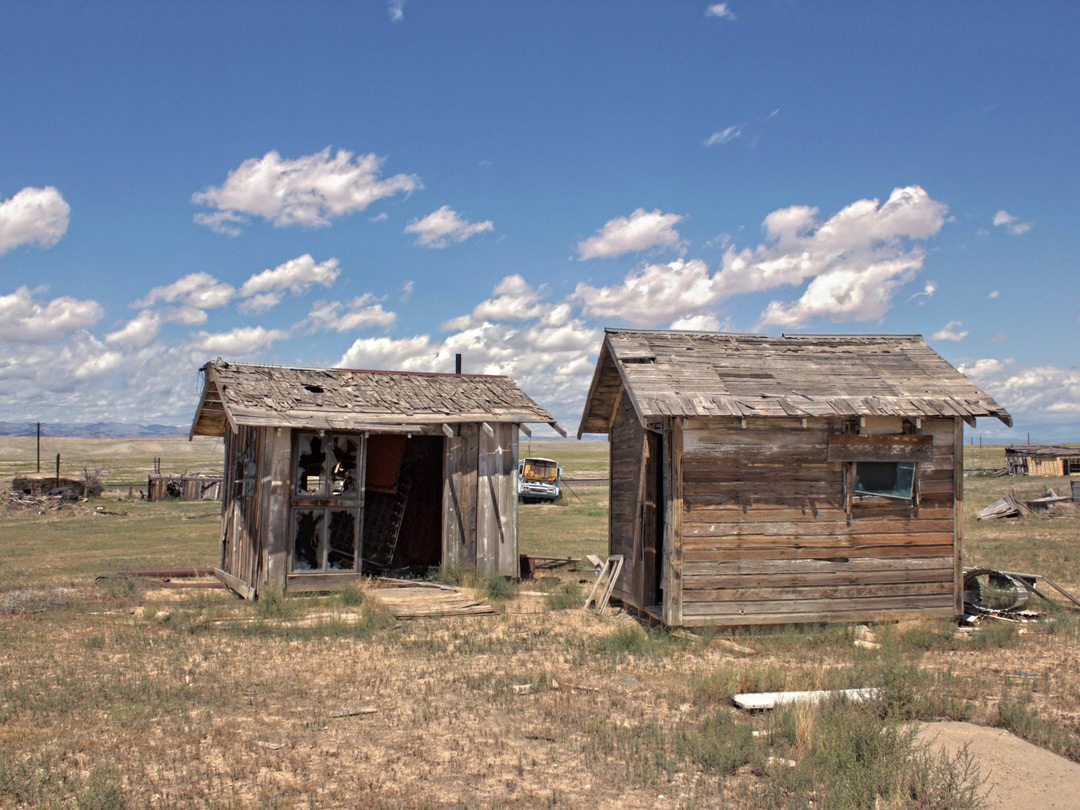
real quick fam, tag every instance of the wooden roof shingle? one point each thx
(342, 399)
(673, 373)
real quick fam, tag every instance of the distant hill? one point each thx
(97, 430)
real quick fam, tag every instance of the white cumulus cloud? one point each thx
(33, 215)
(310, 190)
(266, 289)
(196, 291)
(700, 323)
(653, 295)
(242, 340)
(639, 231)
(137, 333)
(1035, 393)
(951, 332)
(720, 10)
(26, 320)
(1012, 225)
(335, 316)
(514, 299)
(402, 354)
(852, 263)
(444, 227)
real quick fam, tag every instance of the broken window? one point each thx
(327, 502)
(346, 467)
(311, 464)
(341, 540)
(307, 539)
(884, 478)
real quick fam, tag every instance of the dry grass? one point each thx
(117, 695)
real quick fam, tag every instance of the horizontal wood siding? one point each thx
(767, 538)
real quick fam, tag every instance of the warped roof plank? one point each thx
(343, 399)
(671, 373)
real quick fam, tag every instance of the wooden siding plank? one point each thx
(811, 566)
(277, 486)
(818, 552)
(849, 616)
(880, 448)
(821, 606)
(748, 595)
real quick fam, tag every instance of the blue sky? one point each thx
(385, 184)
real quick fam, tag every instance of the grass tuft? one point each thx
(497, 588)
(567, 597)
(272, 603)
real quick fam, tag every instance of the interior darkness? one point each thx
(403, 501)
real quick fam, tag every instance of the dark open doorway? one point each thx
(403, 502)
(653, 521)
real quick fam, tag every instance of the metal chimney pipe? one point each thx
(457, 363)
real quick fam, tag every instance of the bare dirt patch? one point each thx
(1017, 773)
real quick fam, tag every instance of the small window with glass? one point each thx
(884, 479)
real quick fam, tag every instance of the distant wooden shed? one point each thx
(193, 487)
(770, 480)
(1042, 459)
(330, 473)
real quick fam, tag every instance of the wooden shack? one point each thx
(185, 487)
(1042, 459)
(331, 473)
(773, 480)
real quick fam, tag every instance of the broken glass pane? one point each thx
(341, 539)
(346, 469)
(307, 526)
(311, 465)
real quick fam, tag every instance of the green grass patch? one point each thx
(567, 597)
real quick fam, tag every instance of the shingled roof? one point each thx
(671, 373)
(341, 399)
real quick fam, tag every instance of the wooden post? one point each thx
(57, 471)
(39, 446)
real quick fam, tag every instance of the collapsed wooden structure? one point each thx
(331, 472)
(42, 483)
(768, 480)
(1042, 459)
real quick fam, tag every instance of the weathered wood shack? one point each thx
(1042, 459)
(193, 487)
(769, 480)
(330, 473)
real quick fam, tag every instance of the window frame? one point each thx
(867, 493)
(323, 502)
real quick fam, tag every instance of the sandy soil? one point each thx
(1017, 773)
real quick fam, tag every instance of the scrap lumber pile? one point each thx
(1004, 507)
(1050, 499)
(408, 599)
(18, 502)
(1007, 506)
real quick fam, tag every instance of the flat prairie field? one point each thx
(119, 694)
